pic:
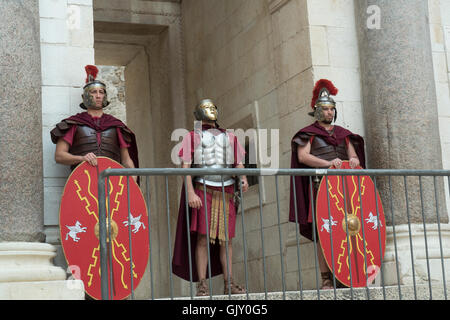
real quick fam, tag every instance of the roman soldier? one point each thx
(86, 135)
(208, 146)
(90, 142)
(320, 145)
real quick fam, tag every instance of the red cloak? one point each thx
(180, 259)
(302, 187)
(105, 122)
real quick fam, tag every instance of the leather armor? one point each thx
(85, 141)
(322, 150)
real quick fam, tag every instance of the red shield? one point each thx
(355, 210)
(78, 219)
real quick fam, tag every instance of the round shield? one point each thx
(351, 226)
(79, 225)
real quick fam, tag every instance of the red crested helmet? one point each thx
(323, 90)
(91, 82)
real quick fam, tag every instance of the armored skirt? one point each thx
(219, 223)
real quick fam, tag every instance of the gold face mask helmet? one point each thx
(206, 110)
(323, 90)
(92, 83)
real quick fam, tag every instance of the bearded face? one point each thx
(94, 96)
(325, 114)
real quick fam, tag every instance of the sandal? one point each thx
(234, 288)
(202, 288)
(327, 280)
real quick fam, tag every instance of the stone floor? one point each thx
(407, 292)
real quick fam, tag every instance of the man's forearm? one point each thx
(189, 184)
(241, 166)
(314, 162)
(67, 158)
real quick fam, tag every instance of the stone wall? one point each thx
(259, 60)
(230, 58)
(114, 78)
(66, 47)
(440, 42)
(145, 37)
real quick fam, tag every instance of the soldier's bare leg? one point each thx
(226, 267)
(326, 275)
(201, 258)
(230, 287)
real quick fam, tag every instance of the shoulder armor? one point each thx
(63, 126)
(302, 139)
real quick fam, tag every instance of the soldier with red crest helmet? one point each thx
(86, 135)
(91, 136)
(320, 145)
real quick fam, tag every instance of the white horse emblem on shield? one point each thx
(135, 222)
(74, 230)
(373, 219)
(326, 224)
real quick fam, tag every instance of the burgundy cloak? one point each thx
(302, 187)
(180, 259)
(105, 122)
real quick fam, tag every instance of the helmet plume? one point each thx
(322, 83)
(91, 73)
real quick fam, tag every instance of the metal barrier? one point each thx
(390, 196)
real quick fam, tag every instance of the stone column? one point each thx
(21, 184)
(400, 112)
(25, 263)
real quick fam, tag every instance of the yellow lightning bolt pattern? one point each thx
(91, 212)
(122, 273)
(341, 255)
(334, 196)
(116, 244)
(354, 209)
(370, 256)
(369, 252)
(95, 250)
(95, 257)
(118, 194)
(356, 194)
(85, 199)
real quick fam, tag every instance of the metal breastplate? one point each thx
(321, 149)
(214, 152)
(85, 141)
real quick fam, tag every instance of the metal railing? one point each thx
(401, 194)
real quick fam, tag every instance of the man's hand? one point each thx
(244, 184)
(354, 162)
(336, 162)
(194, 200)
(91, 158)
